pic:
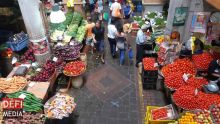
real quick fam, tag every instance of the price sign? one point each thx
(156, 65)
(34, 64)
(185, 77)
(22, 96)
(14, 60)
(31, 84)
(38, 69)
(55, 59)
(196, 92)
(71, 43)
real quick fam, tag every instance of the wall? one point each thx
(193, 6)
(151, 8)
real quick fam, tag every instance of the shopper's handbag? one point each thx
(120, 45)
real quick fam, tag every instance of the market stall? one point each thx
(42, 72)
(186, 82)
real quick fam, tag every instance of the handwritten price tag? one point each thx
(185, 77)
(156, 65)
(22, 96)
(55, 59)
(39, 69)
(31, 84)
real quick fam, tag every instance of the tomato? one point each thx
(197, 82)
(185, 98)
(159, 114)
(74, 68)
(202, 60)
(179, 66)
(148, 64)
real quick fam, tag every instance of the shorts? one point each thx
(88, 41)
(100, 46)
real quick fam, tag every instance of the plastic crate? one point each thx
(149, 80)
(148, 86)
(149, 74)
(148, 117)
(17, 46)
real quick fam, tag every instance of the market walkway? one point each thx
(110, 94)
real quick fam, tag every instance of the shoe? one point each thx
(103, 61)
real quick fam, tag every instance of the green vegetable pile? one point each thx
(31, 102)
(69, 17)
(80, 34)
(72, 30)
(152, 15)
(77, 18)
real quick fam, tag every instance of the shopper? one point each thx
(112, 32)
(98, 10)
(98, 39)
(115, 11)
(140, 39)
(91, 6)
(89, 36)
(214, 71)
(121, 45)
(130, 54)
(127, 11)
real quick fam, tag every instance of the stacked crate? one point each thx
(149, 74)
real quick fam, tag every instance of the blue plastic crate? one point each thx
(19, 45)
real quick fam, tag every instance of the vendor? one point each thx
(140, 39)
(214, 71)
(186, 49)
(198, 46)
(216, 42)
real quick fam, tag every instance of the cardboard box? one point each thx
(39, 89)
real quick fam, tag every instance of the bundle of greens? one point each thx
(80, 34)
(31, 102)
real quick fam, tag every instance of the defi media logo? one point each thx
(12, 107)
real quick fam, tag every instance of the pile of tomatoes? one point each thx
(148, 64)
(174, 81)
(197, 82)
(74, 68)
(179, 66)
(159, 114)
(202, 60)
(186, 98)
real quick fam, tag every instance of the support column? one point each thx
(34, 24)
(193, 6)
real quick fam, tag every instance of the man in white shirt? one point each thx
(140, 39)
(114, 9)
(112, 32)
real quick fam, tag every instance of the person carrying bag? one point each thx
(121, 45)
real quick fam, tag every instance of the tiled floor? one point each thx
(112, 94)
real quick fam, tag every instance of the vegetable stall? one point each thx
(43, 86)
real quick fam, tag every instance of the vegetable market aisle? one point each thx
(110, 94)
